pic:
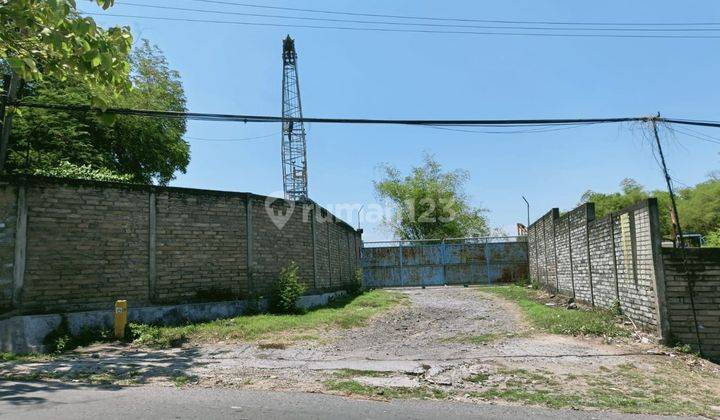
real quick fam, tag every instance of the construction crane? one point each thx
(294, 155)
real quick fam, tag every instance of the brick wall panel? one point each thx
(86, 247)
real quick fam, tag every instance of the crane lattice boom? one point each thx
(294, 154)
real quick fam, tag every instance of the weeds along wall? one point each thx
(602, 261)
(69, 245)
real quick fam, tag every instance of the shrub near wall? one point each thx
(87, 244)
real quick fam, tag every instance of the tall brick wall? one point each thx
(599, 261)
(88, 244)
(701, 271)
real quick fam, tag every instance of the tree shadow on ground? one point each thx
(34, 392)
(109, 366)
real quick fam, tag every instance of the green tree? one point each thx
(698, 206)
(429, 203)
(631, 192)
(712, 239)
(145, 149)
(49, 38)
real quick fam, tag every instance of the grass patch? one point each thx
(24, 358)
(559, 320)
(534, 397)
(349, 312)
(273, 345)
(182, 380)
(478, 378)
(351, 373)
(356, 388)
(473, 339)
(103, 378)
(666, 389)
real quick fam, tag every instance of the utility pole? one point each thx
(683, 251)
(528, 212)
(11, 83)
(294, 154)
(668, 181)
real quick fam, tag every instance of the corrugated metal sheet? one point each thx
(469, 261)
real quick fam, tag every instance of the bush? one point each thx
(61, 339)
(712, 239)
(68, 170)
(286, 291)
(356, 286)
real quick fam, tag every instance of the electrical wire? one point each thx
(695, 136)
(539, 130)
(700, 123)
(199, 116)
(235, 139)
(271, 119)
(422, 31)
(701, 134)
(439, 19)
(390, 23)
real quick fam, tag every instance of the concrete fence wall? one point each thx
(80, 245)
(693, 298)
(602, 261)
(619, 258)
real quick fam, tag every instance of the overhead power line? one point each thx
(394, 30)
(441, 19)
(698, 137)
(599, 28)
(231, 140)
(273, 119)
(699, 123)
(538, 122)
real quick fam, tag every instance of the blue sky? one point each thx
(237, 69)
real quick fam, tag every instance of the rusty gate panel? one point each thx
(435, 263)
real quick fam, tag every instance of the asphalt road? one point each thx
(54, 400)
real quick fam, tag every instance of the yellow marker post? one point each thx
(120, 318)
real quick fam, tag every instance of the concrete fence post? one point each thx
(557, 271)
(354, 256)
(339, 259)
(329, 253)
(572, 267)
(249, 247)
(350, 268)
(589, 216)
(20, 247)
(313, 212)
(545, 252)
(661, 309)
(152, 246)
(614, 256)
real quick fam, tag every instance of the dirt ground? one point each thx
(435, 337)
(461, 342)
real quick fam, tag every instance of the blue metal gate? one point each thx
(451, 261)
